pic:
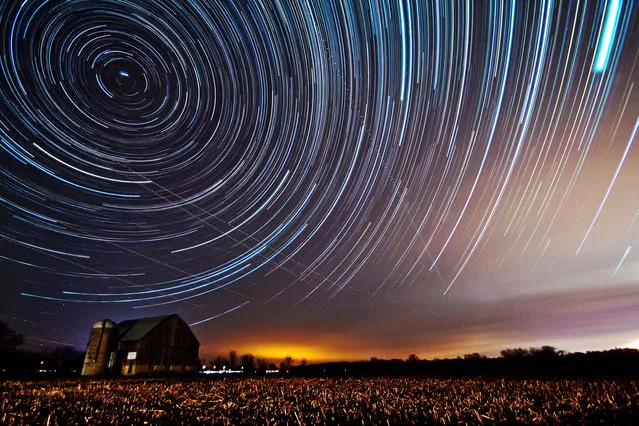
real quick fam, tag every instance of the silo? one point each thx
(102, 342)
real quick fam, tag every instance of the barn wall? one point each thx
(128, 366)
(169, 347)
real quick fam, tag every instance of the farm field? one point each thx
(319, 401)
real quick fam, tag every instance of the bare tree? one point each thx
(262, 365)
(287, 363)
(514, 353)
(233, 359)
(9, 338)
(248, 363)
(474, 356)
(545, 352)
(220, 362)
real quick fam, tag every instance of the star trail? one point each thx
(395, 175)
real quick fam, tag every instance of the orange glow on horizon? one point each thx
(280, 350)
(282, 346)
(334, 348)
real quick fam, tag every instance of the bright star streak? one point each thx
(613, 9)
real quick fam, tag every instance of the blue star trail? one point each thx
(200, 155)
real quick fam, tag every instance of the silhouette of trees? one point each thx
(248, 362)
(542, 352)
(67, 353)
(251, 365)
(545, 352)
(233, 360)
(516, 362)
(514, 353)
(474, 356)
(262, 365)
(287, 363)
(9, 338)
(220, 362)
(412, 358)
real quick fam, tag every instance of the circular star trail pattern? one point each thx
(177, 152)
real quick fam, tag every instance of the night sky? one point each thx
(325, 180)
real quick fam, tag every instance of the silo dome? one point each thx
(106, 323)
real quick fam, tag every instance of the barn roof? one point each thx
(136, 329)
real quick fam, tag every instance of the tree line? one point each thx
(519, 362)
(249, 364)
(544, 361)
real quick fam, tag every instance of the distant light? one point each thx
(222, 372)
(631, 345)
(605, 41)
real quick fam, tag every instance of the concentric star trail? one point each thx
(204, 154)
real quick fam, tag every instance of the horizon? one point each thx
(298, 356)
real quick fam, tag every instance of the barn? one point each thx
(163, 344)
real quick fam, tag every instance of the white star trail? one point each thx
(204, 153)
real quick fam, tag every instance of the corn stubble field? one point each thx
(319, 401)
